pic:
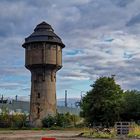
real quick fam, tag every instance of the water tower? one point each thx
(43, 57)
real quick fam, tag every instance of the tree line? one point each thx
(107, 103)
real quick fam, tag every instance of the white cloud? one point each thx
(101, 35)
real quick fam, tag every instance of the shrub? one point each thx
(49, 121)
(60, 120)
(19, 120)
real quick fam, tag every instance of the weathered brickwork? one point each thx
(43, 57)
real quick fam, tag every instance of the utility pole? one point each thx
(66, 103)
(16, 97)
(2, 98)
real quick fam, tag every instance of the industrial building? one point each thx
(24, 107)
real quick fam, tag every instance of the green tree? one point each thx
(131, 106)
(102, 104)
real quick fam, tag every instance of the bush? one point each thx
(60, 120)
(4, 118)
(63, 120)
(48, 121)
(19, 120)
(14, 121)
(134, 131)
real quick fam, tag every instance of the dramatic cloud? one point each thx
(101, 38)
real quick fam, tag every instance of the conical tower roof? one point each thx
(43, 33)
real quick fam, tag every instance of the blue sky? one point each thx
(102, 38)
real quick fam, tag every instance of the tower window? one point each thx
(52, 78)
(55, 78)
(38, 110)
(38, 95)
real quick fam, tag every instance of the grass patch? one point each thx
(98, 135)
(94, 134)
(134, 132)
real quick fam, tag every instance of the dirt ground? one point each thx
(37, 135)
